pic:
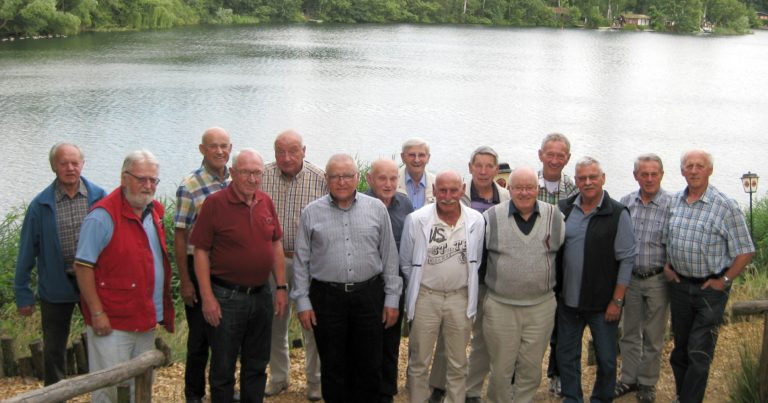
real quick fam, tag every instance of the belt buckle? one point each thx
(348, 287)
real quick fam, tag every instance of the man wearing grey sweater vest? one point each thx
(522, 238)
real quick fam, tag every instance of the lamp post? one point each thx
(749, 182)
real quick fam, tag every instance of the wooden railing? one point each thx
(758, 307)
(139, 368)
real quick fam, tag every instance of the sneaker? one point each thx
(624, 388)
(275, 388)
(555, 388)
(313, 392)
(646, 394)
(436, 396)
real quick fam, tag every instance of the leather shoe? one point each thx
(275, 388)
(437, 396)
(313, 392)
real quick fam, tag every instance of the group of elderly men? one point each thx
(505, 271)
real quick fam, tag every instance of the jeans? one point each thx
(197, 343)
(245, 328)
(696, 316)
(56, 321)
(571, 323)
(349, 340)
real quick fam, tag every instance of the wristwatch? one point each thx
(727, 280)
(282, 287)
(618, 302)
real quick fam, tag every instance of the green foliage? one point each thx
(744, 382)
(760, 230)
(10, 233)
(729, 14)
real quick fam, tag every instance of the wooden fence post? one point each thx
(36, 351)
(9, 359)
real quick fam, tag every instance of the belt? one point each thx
(288, 254)
(648, 274)
(237, 288)
(350, 287)
(701, 280)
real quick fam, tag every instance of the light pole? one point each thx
(749, 182)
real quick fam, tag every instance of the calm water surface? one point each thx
(364, 89)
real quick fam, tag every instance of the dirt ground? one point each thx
(169, 384)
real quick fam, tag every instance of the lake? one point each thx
(364, 89)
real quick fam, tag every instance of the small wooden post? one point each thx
(25, 368)
(36, 350)
(9, 358)
(71, 368)
(143, 389)
(166, 349)
(80, 357)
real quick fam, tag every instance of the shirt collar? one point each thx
(655, 200)
(233, 198)
(577, 201)
(213, 174)
(60, 194)
(422, 181)
(514, 210)
(706, 197)
(333, 201)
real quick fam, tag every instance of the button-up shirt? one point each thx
(416, 191)
(704, 237)
(649, 221)
(349, 245)
(398, 209)
(565, 189)
(191, 194)
(291, 194)
(70, 212)
(575, 235)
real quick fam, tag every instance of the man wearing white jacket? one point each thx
(440, 253)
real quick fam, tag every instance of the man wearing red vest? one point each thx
(123, 270)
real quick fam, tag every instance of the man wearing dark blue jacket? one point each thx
(48, 241)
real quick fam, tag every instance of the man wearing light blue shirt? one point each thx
(415, 181)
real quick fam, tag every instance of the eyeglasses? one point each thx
(340, 178)
(144, 180)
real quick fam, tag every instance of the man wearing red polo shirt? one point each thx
(238, 245)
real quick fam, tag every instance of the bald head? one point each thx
(524, 189)
(215, 146)
(289, 152)
(448, 189)
(382, 178)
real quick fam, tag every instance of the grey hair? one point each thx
(484, 150)
(556, 137)
(586, 161)
(415, 142)
(707, 156)
(138, 156)
(245, 151)
(650, 157)
(340, 157)
(55, 149)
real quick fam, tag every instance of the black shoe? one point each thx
(437, 396)
(624, 388)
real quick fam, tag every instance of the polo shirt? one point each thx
(239, 237)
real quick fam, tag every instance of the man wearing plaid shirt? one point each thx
(645, 308)
(292, 183)
(211, 177)
(554, 186)
(708, 245)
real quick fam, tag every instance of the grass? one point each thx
(745, 380)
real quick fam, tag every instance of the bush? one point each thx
(745, 380)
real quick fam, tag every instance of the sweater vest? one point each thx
(521, 268)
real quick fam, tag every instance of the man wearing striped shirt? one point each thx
(292, 182)
(645, 312)
(211, 177)
(708, 245)
(346, 283)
